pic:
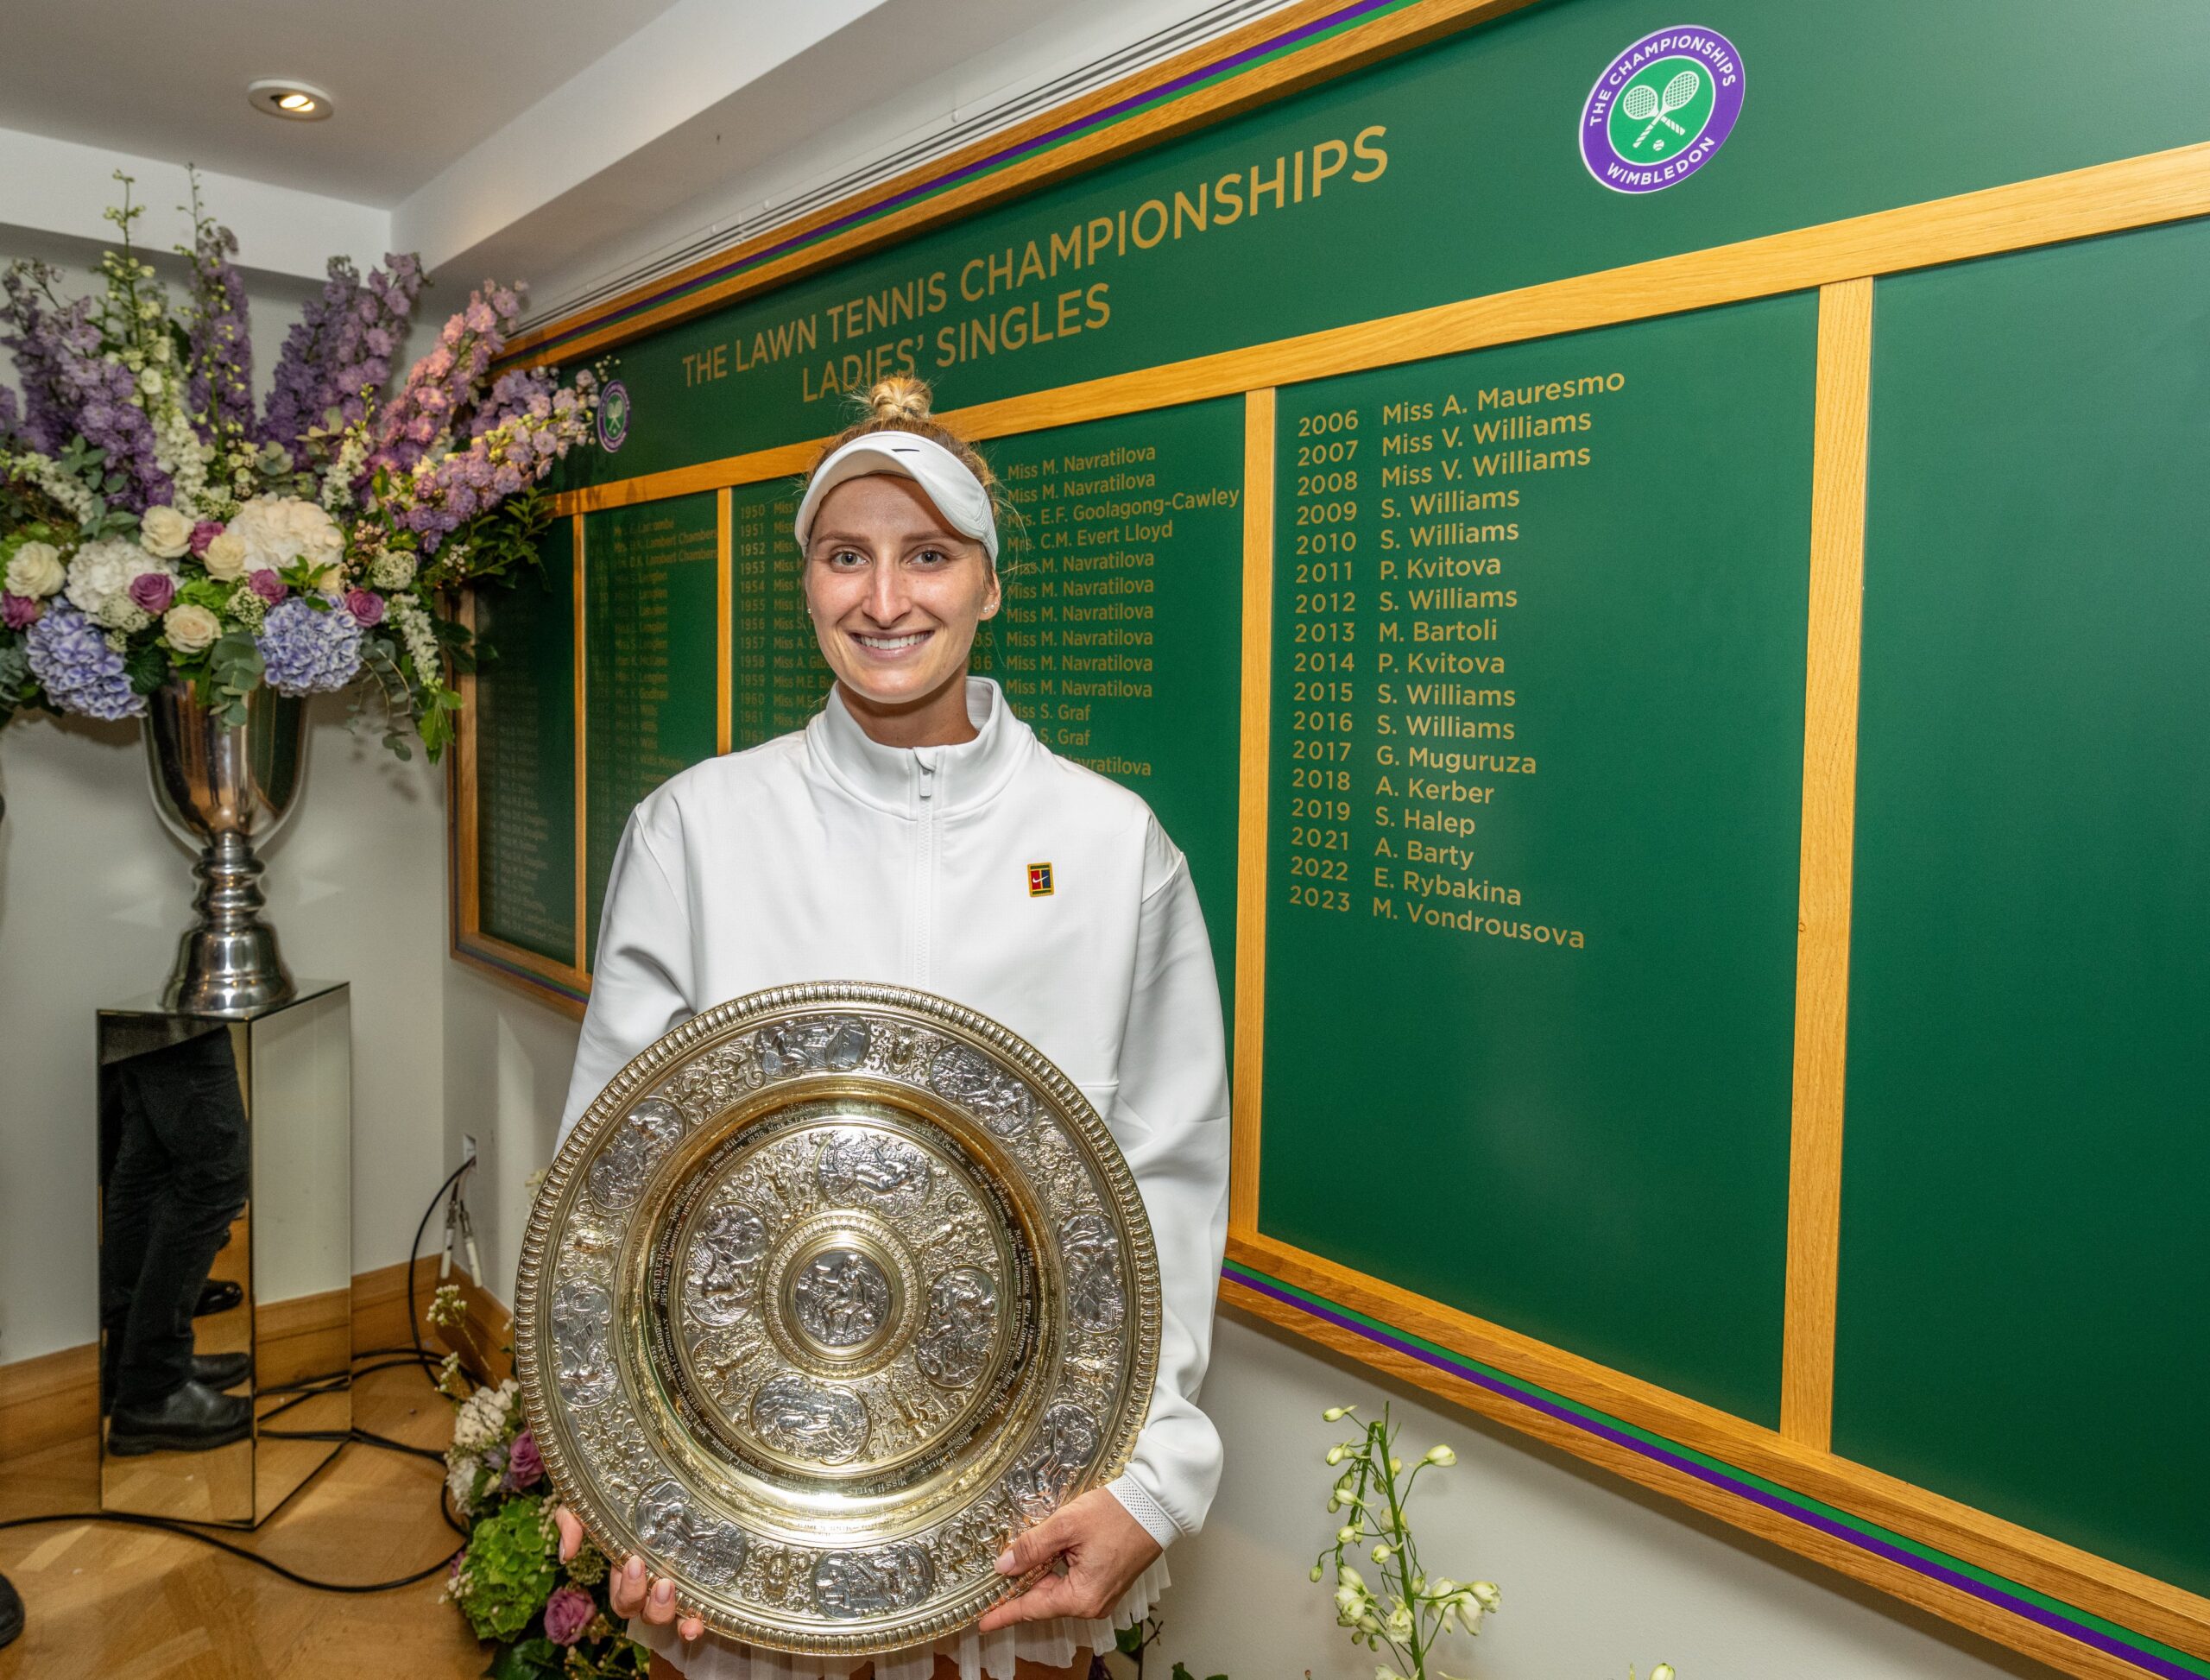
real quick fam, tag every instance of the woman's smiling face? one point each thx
(895, 594)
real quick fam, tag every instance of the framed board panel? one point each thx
(517, 789)
(2025, 1271)
(1536, 771)
(1689, 1236)
(1119, 638)
(653, 582)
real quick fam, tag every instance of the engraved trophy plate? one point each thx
(833, 1290)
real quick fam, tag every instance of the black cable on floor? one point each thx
(184, 1530)
(307, 1389)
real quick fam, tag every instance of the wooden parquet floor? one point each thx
(125, 1603)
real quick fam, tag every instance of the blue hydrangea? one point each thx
(306, 652)
(70, 657)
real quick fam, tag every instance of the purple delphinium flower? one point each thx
(525, 1468)
(366, 606)
(79, 672)
(71, 389)
(18, 612)
(220, 393)
(35, 340)
(567, 1613)
(266, 584)
(153, 591)
(341, 345)
(11, 417)
(306, 652)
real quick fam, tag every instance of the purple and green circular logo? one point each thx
(1661, 109)
(612, 416)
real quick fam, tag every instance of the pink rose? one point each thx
(153, 591)
(18, 612)
(266, 584)
(525, 1466)
(203, 534)
(567, 1612)
(367, 608)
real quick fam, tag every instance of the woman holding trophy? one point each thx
(916, 833)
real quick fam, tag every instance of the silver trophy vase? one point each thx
(224, 788)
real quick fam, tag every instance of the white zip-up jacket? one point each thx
(825, 856)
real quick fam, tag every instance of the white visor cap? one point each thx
(945, 479)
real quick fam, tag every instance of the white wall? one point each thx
(94, 893)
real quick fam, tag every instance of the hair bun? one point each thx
(900, 397)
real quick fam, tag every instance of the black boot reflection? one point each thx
(176, 1180)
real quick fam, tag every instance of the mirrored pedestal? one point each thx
(226, 1204)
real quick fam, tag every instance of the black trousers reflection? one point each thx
(179, 1177)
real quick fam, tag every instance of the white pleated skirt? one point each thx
(980, 1656)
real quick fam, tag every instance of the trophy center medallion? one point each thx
(841, 1298)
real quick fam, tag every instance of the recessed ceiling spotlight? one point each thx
(293, 101)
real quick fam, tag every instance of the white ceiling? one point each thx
(565, 141)
(416, 82)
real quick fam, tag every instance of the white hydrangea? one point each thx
(278, 530)
(100, 582)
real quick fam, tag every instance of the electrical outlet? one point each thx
(467, 1147)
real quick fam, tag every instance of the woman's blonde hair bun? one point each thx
(901, 403)
(901, 398)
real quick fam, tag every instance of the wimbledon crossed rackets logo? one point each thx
(1661, 109)
(612, 416)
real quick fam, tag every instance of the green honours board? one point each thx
(2025, 1258)
(526, 759)
(777, 673)
(652, 596)
(1119, 637)
(1686, 712)
(1539, 732)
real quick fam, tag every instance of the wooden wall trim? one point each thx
(48, 1400)
(1249, 1045)
(1839, 428)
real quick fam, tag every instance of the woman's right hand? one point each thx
(627, 1588)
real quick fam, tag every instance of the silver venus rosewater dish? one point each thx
(834, 1290)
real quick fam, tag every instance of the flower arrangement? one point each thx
(152, 530)
(546, 1618)
(1412, 1611)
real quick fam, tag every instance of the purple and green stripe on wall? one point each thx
(2147, 1656)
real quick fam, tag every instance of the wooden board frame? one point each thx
(2108, 1619)
(565, 986)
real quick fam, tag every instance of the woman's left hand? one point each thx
(1105, 1550)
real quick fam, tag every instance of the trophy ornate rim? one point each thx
(761, 1528)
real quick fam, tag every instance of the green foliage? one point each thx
(16, 688)
(147, 666)
(509, 1569)
(231, 673)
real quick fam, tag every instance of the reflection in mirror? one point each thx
(225, 1327)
